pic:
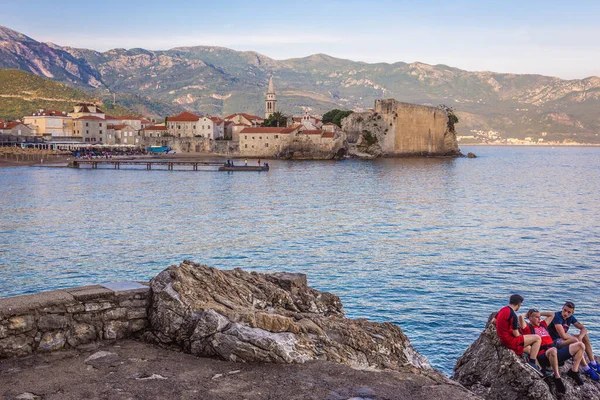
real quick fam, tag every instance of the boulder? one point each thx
(494, 372)
(248, 317)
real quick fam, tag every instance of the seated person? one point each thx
(558, 331)
(507, 327)
(548, 355)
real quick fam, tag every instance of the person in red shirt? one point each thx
(549, 355)
(507, 327)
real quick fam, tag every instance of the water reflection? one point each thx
(434, 245)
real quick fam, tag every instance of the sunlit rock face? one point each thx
(394, 128)
(248, 317)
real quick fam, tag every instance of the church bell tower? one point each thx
(270, 103)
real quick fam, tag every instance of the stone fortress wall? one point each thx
(72, 318)
(403, 129)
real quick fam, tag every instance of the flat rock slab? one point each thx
(148, 372)
(125, 286)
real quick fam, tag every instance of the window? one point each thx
(125, 140)
(100, 124)
(93, 139)
(101, 131)
(266, 144)
(87, 132)
(245, 137)
(252, 146)
(178, 126)
(87, 124)
(276, 136)
(130, 133)
(252, 137)
(260, 137)
(246, 146)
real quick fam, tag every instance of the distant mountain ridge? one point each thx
(217, 80)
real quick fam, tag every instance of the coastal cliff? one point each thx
(401, 129)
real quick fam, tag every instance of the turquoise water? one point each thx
(434, 245)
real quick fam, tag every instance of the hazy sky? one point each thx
(557, 38)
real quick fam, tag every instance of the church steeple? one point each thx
(270, 103)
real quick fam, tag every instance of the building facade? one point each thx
(184, 124)
(50, 122)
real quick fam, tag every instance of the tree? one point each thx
(336, 116)
(452, 118)
(277, 119)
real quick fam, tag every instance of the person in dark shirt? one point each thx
(548, 355)
(507, 327)
(558, 330)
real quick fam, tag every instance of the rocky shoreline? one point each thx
(200, 332)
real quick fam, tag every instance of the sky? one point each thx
(556, 38)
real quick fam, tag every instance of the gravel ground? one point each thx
(134, 370)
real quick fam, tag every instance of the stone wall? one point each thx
(72, 318)
(195, 145)
(402, 129)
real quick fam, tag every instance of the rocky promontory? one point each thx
(251, 317)
(494, 372)
(249, 336)
(396, 129)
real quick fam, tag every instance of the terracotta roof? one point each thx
(328, 134)
(118, 127)
(184, 117)
(109, 117)
(145, 121)
(312, 132)
(49, 113)
(216, 119)
(155, 128)
(241, 125)
(330, 123)
(249, 117)
(11, 125)
(90, 117)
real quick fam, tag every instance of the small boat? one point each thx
(244, 168)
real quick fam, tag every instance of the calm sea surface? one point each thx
(434, 245)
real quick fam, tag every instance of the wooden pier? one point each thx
(170, 165)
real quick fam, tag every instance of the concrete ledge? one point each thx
(30, 302)
(86, 293)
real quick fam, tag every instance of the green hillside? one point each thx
(22, 93)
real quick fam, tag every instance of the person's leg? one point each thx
(588, 348)
(551, 356)
(534, 341)
(576, 351)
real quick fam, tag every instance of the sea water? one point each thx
(434, 245)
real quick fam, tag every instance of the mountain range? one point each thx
(219, 81)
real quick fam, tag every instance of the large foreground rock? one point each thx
(494, 372)
(252, 317)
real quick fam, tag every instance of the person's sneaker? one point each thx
(575, 376)
(559, 385)
(547, 372)
(595, 367)
(592, 374)
(533, 366)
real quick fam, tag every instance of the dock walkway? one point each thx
(170, 165)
